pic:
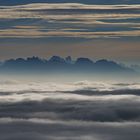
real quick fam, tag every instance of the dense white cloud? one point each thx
(17, 92)
(16, 86)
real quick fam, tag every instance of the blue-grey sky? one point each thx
(89, 28)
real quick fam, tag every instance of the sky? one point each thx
(96, 29)
(67, 106)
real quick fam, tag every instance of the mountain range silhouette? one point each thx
(57, 64)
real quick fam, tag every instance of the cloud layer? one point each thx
(77, 20)
(51, 111)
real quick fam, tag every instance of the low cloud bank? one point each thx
(29, 130)
(70, 111)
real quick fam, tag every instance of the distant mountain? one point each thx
(69, 60)
(57, 63)
(105, 65)
(19, 2)
(83, 61)
(20, 63)
(56, 60)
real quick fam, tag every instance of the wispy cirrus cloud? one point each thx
(35, 33)
(70, 20)
(44, 6)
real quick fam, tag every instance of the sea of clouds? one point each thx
(82, 110)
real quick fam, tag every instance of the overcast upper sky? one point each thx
(89, 28)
